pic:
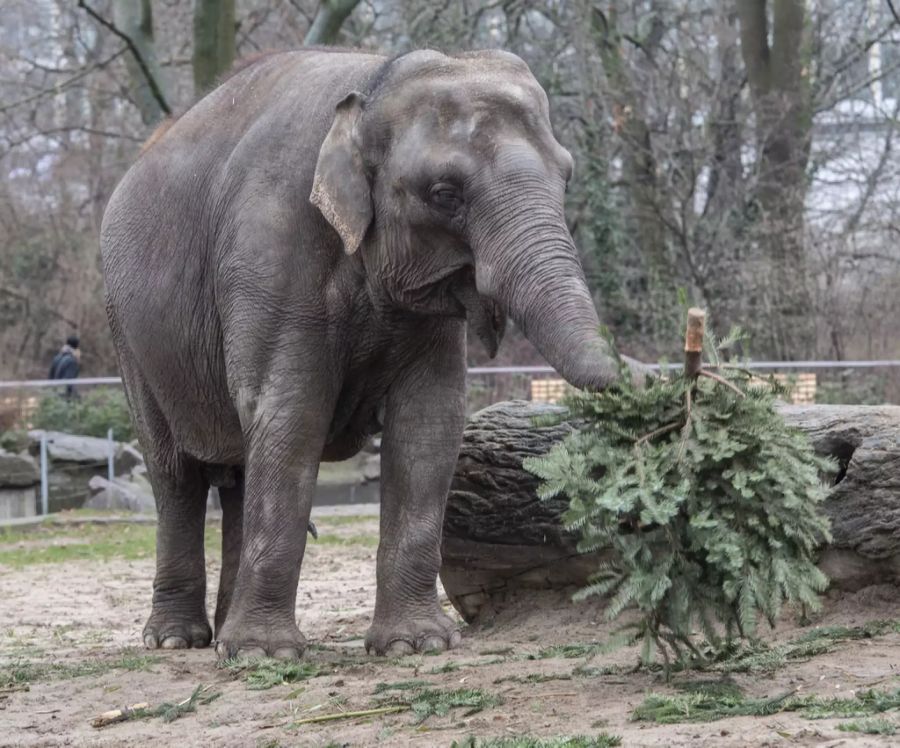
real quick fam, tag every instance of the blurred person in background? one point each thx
(67, 363)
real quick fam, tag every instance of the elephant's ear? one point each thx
(340, 187)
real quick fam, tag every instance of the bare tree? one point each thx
(328, 21)
(214, 41)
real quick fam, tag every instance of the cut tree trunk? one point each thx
(499, 538)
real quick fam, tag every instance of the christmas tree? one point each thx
(705, 502)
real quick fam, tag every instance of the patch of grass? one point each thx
(603, 740)
(533, 678)
(266, 673)
(367, 541)
(448, 667)
(52, 543)
(707, 706)
(81, 543)
(725, 688)
(597, 671)
(402, 685)
(19, 672)
(430, 702)
(870, 727)
(342, 521)
(568, 651)
(497, 651)
(762, 658)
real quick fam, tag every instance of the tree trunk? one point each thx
(134, 18)
(328, 21)
(214, 31)
(499, 538)
(778, 74)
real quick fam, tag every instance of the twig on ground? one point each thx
(118, 715)
(351, 715)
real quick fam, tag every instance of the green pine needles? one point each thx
(704, 502)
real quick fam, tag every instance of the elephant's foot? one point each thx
(397, 634)
(167, 629)
(238, 638)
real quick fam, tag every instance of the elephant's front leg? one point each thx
(422, 432)
(281, 466)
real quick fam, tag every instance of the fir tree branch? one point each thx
(720, 380)
(658, 432)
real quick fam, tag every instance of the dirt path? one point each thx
(70, 628)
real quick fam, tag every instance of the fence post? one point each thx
(110, 454)
(45, 489)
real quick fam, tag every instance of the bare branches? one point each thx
(890, 5)
(63, 85)
(152, 83)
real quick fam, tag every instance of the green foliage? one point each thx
(93, 414)
(568, 651)
(428, 702)
(266, 673)
(603, 740)
(402, 685)
(759, 657)
(706, 502)
(701, 705)
(870, 726)
(23, 672)
(170, 712)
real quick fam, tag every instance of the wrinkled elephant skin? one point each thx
(290, 268)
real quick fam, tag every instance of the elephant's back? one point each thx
(262, 126)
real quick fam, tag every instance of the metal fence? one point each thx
(849, 382)
(63, 484)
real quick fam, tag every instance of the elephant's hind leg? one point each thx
(178, 619)
(232, 498)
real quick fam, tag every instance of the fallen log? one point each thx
(499, 538)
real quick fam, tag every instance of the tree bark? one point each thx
(328, 21)
(134, 20)
(214, 32)
(778, 74)
(499, 538)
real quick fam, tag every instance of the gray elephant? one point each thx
(289, 269)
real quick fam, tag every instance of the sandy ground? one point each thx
(88, 612)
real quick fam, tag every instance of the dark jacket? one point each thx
(65, 366)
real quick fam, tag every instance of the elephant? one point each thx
(290, 268)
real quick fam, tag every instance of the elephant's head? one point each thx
(446, 177)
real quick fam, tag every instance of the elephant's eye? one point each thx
(445, 197)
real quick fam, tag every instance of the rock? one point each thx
(70, 447)
(18, 470)
(372, 468)
(499, 538)
(118, 494)
(18, 502)
(127, 459)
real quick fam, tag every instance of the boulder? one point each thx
(18, 470)
(70, 447)
(127, 459)
(372, 468)
(118, 494)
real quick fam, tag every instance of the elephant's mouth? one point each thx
(456, 295)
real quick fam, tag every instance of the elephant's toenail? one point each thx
(455, 639)
(399, 648)
(150, 641)
(286, 653)
(252, 653)
(433, 644)
(174, 642)
(221, 650)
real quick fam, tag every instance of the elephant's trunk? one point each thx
(529, 265)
